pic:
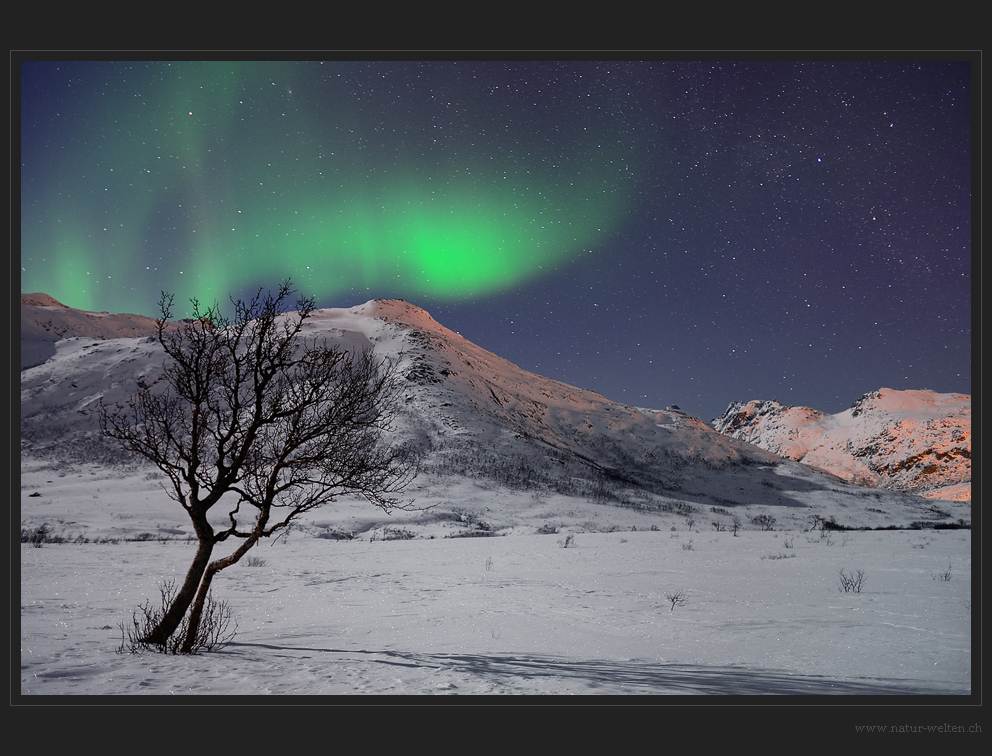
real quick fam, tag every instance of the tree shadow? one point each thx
(648, 677)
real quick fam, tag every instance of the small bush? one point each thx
(942, 576)
(334, 534)
(37, 536)
(392, 534)
(821, 535)
(763, 521)
(853, 583)
(475, 534)
(45, 533)
(471, 519)
(214, 632)
(677, 598)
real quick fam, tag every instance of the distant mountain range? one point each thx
(472, 415)
(918, 441)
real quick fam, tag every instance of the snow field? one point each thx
(521, 615)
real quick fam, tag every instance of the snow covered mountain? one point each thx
(918, 441)
(45, 320)
(474, 417)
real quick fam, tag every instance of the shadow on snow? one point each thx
(642, 676)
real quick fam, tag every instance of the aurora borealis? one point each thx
(662, 232)
(212, 178)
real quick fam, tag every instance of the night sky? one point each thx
(663, 232)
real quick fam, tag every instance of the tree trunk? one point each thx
(160, 634)
(193, 626)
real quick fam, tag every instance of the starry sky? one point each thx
(667, 231)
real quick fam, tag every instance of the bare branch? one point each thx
(252, 409)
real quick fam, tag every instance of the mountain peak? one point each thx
(397, 311)
(908, 440)
(405, 317)
(45, 320)
(40, 300)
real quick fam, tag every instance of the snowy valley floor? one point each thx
(522, 614)
(516, 614)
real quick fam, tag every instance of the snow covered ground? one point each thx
(514, 614)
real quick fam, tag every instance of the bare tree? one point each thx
(677, 598)
(268, 421)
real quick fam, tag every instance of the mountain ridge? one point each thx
(908, 440)
(475, 416)
(45, 320)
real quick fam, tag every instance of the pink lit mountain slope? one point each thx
(917, 441)
(45, 320)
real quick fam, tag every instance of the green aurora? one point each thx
(212, 179)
